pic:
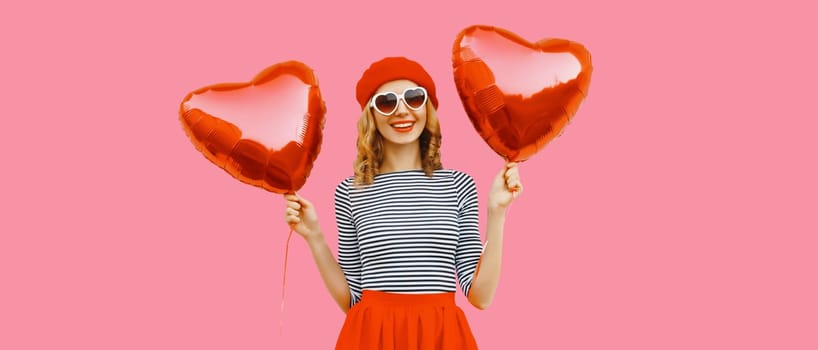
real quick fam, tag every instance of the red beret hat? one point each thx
(389, 69)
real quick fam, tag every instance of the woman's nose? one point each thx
(402, 108)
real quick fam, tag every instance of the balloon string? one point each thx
(284, 281)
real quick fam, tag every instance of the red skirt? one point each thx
(392, 321)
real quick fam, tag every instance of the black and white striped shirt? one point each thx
(408, 232)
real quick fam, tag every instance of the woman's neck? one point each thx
(400, 157)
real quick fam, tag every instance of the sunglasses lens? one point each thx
(415, 98)
(386, 103)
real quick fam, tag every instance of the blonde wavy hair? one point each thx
(370, 146)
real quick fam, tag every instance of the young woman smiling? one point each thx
(407, 227)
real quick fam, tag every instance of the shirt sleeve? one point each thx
(349, 256)
(469, 245)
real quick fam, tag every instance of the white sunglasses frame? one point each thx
(400, 98)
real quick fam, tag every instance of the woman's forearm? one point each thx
(487, 275)
(330, 271)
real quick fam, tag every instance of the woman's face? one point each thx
(405, 125)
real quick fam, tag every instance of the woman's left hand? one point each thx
(505, 188)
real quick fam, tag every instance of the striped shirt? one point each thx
(408, 232)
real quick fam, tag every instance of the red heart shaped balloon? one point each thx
(266, 132)
(518, 95)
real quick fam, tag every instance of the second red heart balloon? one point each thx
(518, 95)
(266, 132)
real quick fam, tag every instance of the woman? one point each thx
(407, 227)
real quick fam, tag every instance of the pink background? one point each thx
(677, 211)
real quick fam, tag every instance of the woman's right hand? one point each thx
(301, 217)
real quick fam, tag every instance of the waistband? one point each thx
(374, 296)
